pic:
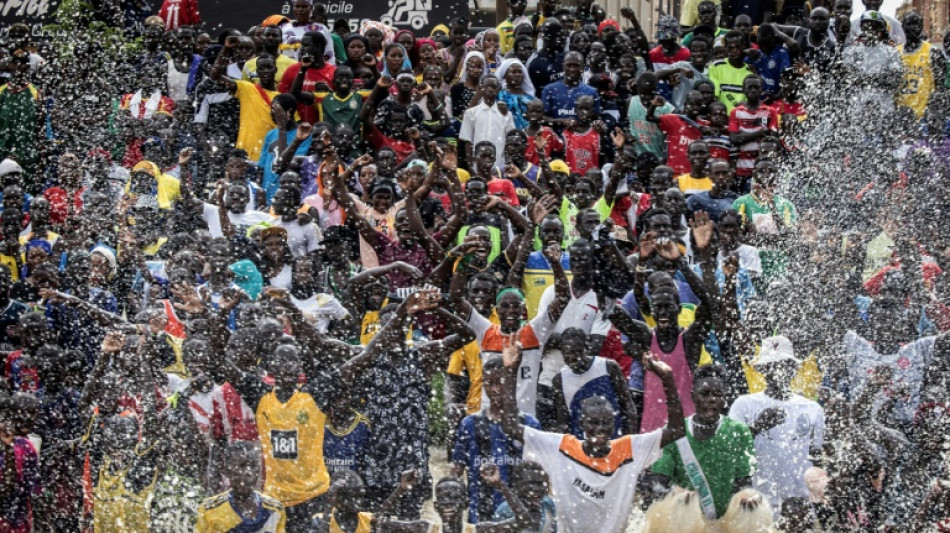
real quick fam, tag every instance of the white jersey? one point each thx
(592, 495)
(782, 452)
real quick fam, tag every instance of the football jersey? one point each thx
(532, 336)
(292, 445)
(918, 78)
(582, 150)
(217, 515)
(745, 120)
(595, 381)
(592, 494)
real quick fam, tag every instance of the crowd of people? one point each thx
(674, 279)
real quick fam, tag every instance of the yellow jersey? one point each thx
(292, 445)
(364, 525)
(256, 119)
(217, 515)
(918, 78)
(469, 358)
(806, 382)
(690, 185)
(116, 507)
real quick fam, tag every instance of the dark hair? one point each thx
(318, 39)
(712, 371)
(480, 144)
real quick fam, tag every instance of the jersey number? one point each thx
(284, 444)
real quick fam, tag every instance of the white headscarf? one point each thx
(473, 53)
(526, 86)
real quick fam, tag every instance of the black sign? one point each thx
(417, 15)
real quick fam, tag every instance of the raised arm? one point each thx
(304, 129)
(562, 285)
(434, 354)
(510, 421)
(695, 335)
(431, 246)
(676, 425)
(638, 334)
(522, 520)
(221, 64)
(459, 208)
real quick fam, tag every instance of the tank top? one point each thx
(654, 399)
(579, 387)
(118, 508)
(918, 78)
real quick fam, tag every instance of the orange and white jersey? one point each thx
(592, 494)
(532, 337)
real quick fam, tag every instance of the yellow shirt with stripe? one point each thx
(918, 78)
(690, 185)
(249, 72)
(216, 515)
(256, 119)
(292, 445)
(469, 359)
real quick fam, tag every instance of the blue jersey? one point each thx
(544, 71)
(770, 68)
(270, 153)
(480, 441)
(343, 449)
(559, 99)
(595, 381)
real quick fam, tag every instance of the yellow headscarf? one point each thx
(168, 188)
(440, 27)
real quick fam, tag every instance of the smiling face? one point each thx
(709, 396)
(573, 68)
(450, 500)
(511, 311)
(597, 422)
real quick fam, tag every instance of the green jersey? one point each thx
(727, 456)
(728, 81)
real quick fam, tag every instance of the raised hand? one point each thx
(408, 480)
(491, 475)
(647, 244)
(703, 229)
(653, 364)
(618, 138)
(541, 208)
(184, 157)
(304, 129)
(423, 300)
(113, 342)
(186, 298)
(552, 253)
(668, 249)
(511, 352)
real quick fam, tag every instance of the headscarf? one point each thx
(106, 252)
(248, 278)
(438, 28)
(346, 44)
(526, 86)
(473, 53)
(400, 32)
(406, 63)
(418, 46)
(385, 29)
(167, 189)
(607, 23)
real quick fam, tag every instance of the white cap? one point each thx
(9, 166)
(776, 349)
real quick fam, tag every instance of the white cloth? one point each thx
(284, 279)
(590, 499)
(319, 309)
(782, 452)
(872, 61)
(486, 123)
(748, 259)
(294, 34)
(240, 222)
(177, 82)
(302, 239)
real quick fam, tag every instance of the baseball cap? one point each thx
(774, 350)
(873, 16)
(558, 165)
(667, 28)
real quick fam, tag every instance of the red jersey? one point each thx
(660, 60)
(231, 418)
(680, 131)
(618, 213)
(582, 150)
(378, 140)
(554, 145)
(505, 189)
(745, 120)
(59, 204)
(177, 13)
(308, 113)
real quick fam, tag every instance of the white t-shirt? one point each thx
(782, 452)
(301, 239)
(532, 337)
(284, 279)
(748, 259)
(240, 222)
(592, 495)
(581, 312)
